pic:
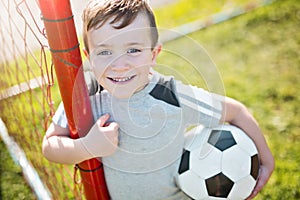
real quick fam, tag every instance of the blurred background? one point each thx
(255, 50)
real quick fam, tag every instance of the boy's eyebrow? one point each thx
(134, 43)
(141, 44)
(103, 45)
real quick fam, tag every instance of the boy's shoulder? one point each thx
(165, 90)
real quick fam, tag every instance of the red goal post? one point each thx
(64, 46)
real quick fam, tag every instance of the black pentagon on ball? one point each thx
(221, 139)
(254, 166)
(184, 162)
(219, 185)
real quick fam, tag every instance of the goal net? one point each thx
(28, 95)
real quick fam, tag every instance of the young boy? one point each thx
(147, 113)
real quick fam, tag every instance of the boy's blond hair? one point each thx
(120, 12)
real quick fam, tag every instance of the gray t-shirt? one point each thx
(151, 135)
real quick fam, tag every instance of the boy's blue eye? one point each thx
(133, 51)
(104, 53)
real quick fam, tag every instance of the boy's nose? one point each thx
(120, 63)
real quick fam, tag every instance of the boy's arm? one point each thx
(237, 114)
(100, 141)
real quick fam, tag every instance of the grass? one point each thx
(22, 69)
(182, 12)
(29, 121)
(256, 60)
(12, 184)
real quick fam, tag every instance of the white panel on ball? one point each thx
(236, 163)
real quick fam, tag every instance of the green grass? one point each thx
(26, 125)
(182, 12)
(12, 184)
(23, 69)
(257, 57)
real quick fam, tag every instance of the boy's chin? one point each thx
(126, 93)
(122, 94)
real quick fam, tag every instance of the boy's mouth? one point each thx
(121, 79)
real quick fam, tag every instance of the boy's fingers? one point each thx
(262, 180)
(254, 192)
(102, 120)
(113, 125)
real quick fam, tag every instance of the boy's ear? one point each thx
(155, 53)
(86, 53)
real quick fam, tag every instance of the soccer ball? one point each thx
(218, 163)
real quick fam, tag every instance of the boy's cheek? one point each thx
(98, 74)
(98, 66)
(98, 71)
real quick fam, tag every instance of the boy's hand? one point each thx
(102, 139)
(265, 172)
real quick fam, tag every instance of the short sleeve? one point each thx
(199, 106)
(59, 117)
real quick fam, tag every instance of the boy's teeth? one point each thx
(121, 79)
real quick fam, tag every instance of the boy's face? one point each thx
(121, 58)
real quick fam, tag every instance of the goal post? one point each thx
(64, 46)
